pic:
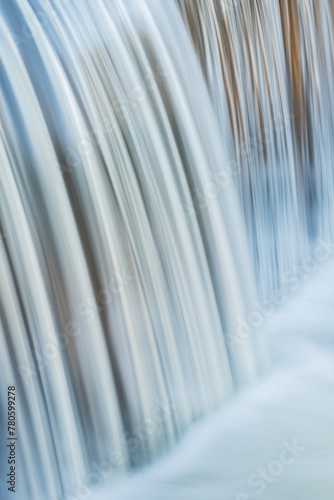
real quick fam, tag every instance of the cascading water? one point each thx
(144, 190)
(114, 298)
(269, 66)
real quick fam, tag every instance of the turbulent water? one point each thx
(163, 164)
(274, 441)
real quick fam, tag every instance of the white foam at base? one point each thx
(294, 404)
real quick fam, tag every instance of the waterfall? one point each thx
(268, 67)
(163, 165)
(116, 297)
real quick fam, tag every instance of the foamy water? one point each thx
(275, 440)
(163, 165)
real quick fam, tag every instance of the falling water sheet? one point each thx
(166, 184)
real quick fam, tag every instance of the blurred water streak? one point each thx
(115, 305)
